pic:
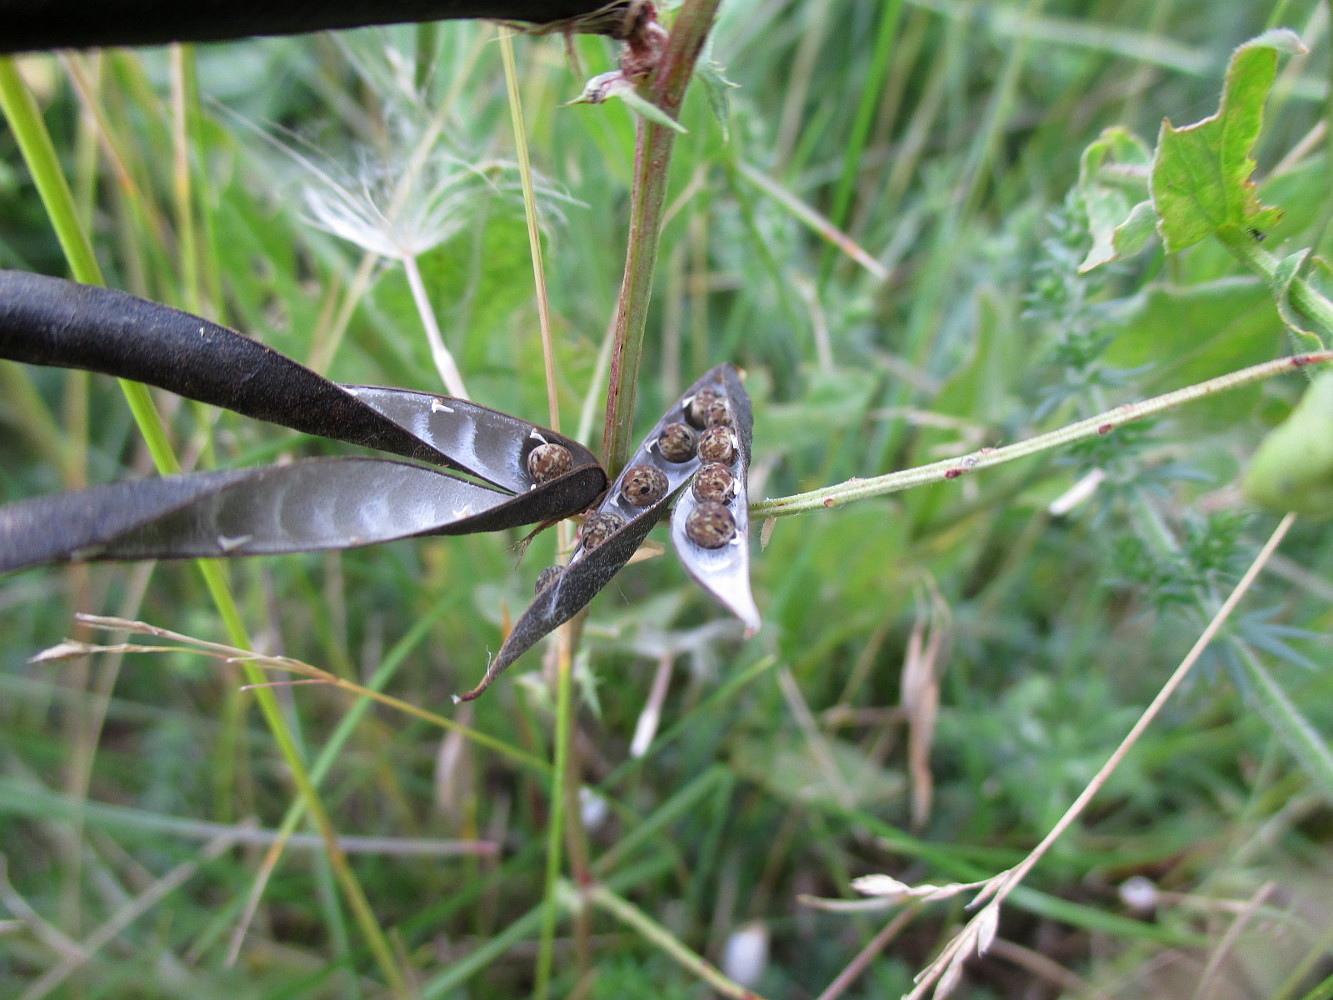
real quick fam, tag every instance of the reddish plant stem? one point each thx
(665, 88)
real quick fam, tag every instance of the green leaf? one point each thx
(647, 109)
(1113, 190)
(1293, 468)
(715, 84)
(1201, 174)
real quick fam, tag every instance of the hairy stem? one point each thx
(1083, 430)
(666, 89)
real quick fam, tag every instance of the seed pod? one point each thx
(598, 527)
(710, 525)
(549, 461)
(717, 444)
(710, 522)
(547, 577)
(696, 411)
(644, 486)
(677, 442)
(640, 497)
(714, 483)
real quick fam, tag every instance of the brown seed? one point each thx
(717, 445)
(714, 483)
(677, 442)
(598, 527)
(710, 526)
(549, 461)
(718, 414)
(644, 486)
(697, 410)
(547, 577)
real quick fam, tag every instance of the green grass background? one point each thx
(943, 137)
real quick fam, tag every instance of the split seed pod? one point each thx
(639, 497)
(711, 535)
(317, 504)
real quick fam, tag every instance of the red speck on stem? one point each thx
(954, 473)
(830, 502)
(1300, 361)
(1105, 428)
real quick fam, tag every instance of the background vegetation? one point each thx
(943, 139)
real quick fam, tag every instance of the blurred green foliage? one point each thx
(944, 139)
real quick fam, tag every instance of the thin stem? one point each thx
(534, 232)
(187, 245)
(555, 827)
(39, 153)
(953, 468)
(567, 637)
(444, 360)
(1304, 296)
(1000, 887)
(652, 157)
(653, 932)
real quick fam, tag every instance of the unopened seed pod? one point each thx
(714, 483)
(549, 461)
(696, 412)
(710, 526)
(717, 444)
(598, 527)
(677, 442)
(644, 485)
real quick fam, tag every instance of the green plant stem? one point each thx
(1304, 296)
(652, 157)
(562, 780)
(39, 153)
(530, 214)
(187, 244)
(1083, 430)
(555, 826)
(1287, 721)
(657, 935)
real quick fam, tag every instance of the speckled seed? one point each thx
(547, 577)
(718, 414)
(677, 442)
(697, 410)
(644, 486)
(598, 527)
(710, 526)
(714, 483)
(549, 461)
(716, 445)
